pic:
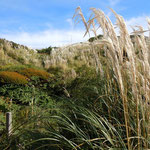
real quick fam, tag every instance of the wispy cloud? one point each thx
(46, 38)
(137, 21)
(60, 37)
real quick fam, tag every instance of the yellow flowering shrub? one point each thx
(12, 77)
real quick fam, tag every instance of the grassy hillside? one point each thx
(88, 96)
(15, 54)
(12, 53)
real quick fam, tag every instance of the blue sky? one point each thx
(41, 23)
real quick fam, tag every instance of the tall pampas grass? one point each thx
(135, 69)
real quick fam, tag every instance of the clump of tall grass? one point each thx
(73, 128)
(130, 71)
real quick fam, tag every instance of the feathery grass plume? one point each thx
(78, 14)
(111, 40)
(144, 77)
(134, 69)
(129, 49)
(92, 22)
(107, 29)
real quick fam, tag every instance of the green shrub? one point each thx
(15, 45)
(45, 50)
(92, 39)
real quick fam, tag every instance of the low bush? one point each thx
(12, 77)
(45, 50)
(30, 72)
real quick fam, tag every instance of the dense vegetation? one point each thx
(46, 50)
(88, 96)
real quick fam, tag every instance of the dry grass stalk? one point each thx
(78, 14)
(111, 40)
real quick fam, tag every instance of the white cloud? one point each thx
(46, 38)
(56, 37)
(137, 21)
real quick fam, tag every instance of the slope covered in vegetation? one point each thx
(15, 54)
(88, 96)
